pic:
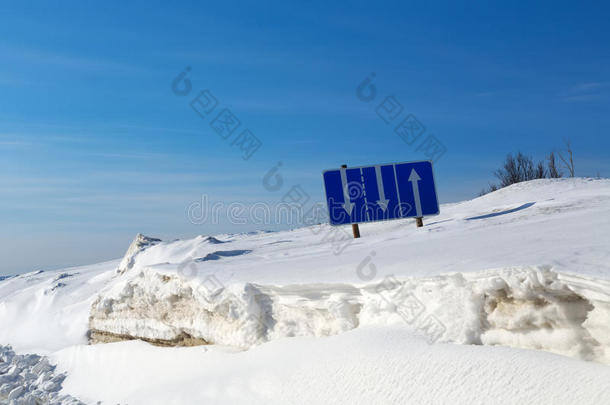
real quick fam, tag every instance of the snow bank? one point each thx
(532, 308)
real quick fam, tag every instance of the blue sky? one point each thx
(95, 146)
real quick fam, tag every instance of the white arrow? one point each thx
(414, 179)
(347, 204)
(382, 202)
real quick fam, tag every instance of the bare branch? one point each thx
(568, 162)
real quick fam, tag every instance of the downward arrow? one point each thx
(347, 204)
(414, 179)
(382, 202)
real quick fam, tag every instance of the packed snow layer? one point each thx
(529, 308)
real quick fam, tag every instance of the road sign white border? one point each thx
(383, 164)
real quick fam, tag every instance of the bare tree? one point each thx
(525, 166)
(509, 173)
(568, 159)
(540, 171)
(519, 168)
(553, 171)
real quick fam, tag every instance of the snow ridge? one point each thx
(140, 243)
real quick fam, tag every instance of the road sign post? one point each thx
(356, 231)
(380, 192)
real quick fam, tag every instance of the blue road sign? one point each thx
(381, 192)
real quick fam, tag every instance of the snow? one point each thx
(364, 366)
(308, 315)
(30, 379)
(41, 312)
(140, 243)
(521, 307)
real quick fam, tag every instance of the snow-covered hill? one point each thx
(308, 315)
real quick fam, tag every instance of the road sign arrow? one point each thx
(414, 179)
(382, 202)
(347, 204)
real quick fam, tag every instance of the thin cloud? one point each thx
(48, 58)
(584, 97)
(133, 155)
(14, 144)
(34, 139)
(589, 86)
(584, 92)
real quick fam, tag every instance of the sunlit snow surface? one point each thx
(299, 317)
